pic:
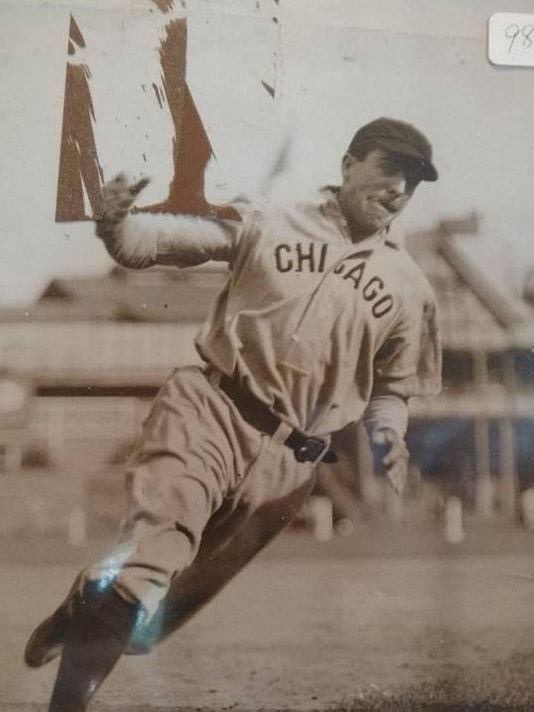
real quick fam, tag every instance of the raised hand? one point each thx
(118, 197)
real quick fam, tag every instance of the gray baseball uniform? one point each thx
(323, 321)
(314, 327)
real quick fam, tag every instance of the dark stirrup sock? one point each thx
(95, 641)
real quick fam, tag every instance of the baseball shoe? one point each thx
(46, 641)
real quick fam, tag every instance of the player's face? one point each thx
(374, 192)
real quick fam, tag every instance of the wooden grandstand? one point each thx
(96, 349)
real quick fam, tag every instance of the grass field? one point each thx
(388, 619)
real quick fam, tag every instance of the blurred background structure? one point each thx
(80, 362)
(80, 367)
(422, 598)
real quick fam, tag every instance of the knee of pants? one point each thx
(165, 492)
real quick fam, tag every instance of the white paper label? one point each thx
(511, 39)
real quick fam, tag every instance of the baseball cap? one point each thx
(398, 137)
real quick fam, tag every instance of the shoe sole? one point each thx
(46, 641)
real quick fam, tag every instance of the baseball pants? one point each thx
(206, 492)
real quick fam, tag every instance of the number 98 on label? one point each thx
(511, 39)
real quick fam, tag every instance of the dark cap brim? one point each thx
(428, 170)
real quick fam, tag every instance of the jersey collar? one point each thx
(330, 208)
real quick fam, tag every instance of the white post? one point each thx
(454, 531)
(322, 517)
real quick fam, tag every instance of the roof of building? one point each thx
(159, 295)
(475, 313)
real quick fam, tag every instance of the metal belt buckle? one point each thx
(310, 450)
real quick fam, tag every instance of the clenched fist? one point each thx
(392, 455)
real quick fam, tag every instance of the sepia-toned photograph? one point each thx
(267, 355)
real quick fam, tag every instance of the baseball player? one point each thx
(323, 321)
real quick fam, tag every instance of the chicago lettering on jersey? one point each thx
(372, 287)
(311, 257)
(303, 257)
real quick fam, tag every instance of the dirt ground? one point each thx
(308, 626)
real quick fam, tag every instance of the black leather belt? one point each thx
(306, 448)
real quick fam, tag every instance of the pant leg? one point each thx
(190, 456)
(263, 504)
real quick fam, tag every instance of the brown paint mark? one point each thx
(282, 160)
(172, 54)
(268, 88)
(71, 49)
(74, 33)
(192, 152)
(158, 94)
(191, 147)
(164, 5)
(79, 167)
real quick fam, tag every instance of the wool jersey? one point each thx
(313, 324)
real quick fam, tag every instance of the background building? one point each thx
(91, 353)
